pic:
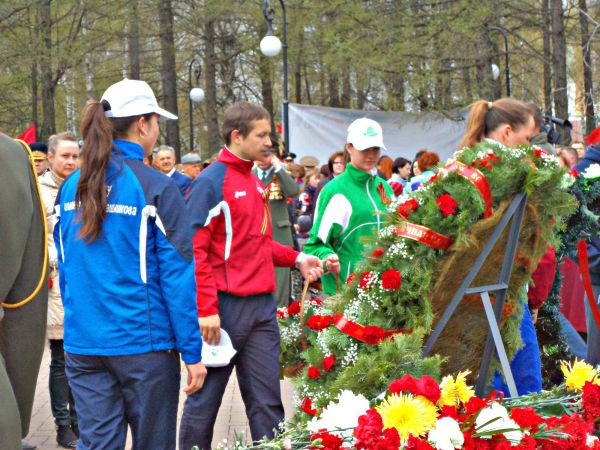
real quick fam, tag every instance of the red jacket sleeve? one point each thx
(543, 278)
(206, 286)
(283, 255)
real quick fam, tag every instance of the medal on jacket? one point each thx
(266, 210)
(275, 189)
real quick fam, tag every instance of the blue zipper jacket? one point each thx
(132, 290)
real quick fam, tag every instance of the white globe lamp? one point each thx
(495, 71)
(197, 94)
(270, 46)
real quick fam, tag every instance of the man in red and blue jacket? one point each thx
(235, 277)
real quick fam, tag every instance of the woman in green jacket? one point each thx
(351, 205)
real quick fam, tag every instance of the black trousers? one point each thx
(251, 322)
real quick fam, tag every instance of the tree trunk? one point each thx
(547, 20)
(588, 83)
(48, 88)
(561, 101)
(34, 95)
(346, 88)
(334, 96)
(169, 73)
(133, 40)
(210, 79)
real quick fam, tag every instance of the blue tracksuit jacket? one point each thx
(131, 290)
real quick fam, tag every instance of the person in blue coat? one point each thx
(164, 161)
(126, 278)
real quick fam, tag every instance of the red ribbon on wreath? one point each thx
(424, 235)
(477, 179)
(370, 334)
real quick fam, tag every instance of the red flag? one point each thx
(593, 137)
(29, 135)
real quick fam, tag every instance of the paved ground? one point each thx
(231, 420)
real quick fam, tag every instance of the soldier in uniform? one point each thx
(281, 186)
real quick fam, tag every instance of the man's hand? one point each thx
(332, 262)
(534, 315)
(275, 162)
(196, 373)
(310, 266)
(210, 327)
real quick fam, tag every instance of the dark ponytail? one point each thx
(485, 117)
(90, 198)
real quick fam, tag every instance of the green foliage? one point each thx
(366, 368)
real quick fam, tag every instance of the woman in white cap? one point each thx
(351, 205)
(126, 278)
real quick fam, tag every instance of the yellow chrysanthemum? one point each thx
(463, 391)
(407, 414)
(455, 391)
(578, 373)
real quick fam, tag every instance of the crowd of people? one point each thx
(149, 261)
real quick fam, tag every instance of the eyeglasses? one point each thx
(337, 162)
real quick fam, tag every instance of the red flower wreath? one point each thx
(391, 280)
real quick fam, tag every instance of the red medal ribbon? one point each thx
(587, 281)
(424, 235)
(477, 179)
(383, 195)
(370, 334)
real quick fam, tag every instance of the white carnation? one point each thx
(446, 435)
(590, 440)
(342, 417)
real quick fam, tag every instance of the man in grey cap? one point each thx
(192, 164)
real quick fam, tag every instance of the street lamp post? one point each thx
(196, 94)
(270, 46)
(502, 31)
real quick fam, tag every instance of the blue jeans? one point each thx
(61, 399)
(112, 392)
(251, 322)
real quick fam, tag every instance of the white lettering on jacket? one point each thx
(239, 194)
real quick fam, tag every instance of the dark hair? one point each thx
(486, 116)
(385, 165)
(428, 160)
(240, 116)
(98, 133)
(538, 116)
(334, 156)
(399, 163)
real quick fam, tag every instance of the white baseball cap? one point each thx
(218, 355)
(365, 133)
(133, 98)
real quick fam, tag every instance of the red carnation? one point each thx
(350, 278)
(307, 406)
(316, 301)
(313, 372)
(447, 204)
(449, 411)
(328, 363)
(474, 404)
(433, 178)
(404, 384)
(574, 173)
(328, 441)
(408, 207)
(526, 418)
(280, 314)
(294, 308)
(414, 443)
(318, 323)
(368, 431)
(364, 279)
(538, 152)
(391, 440)
(391, 280)
(428, 388)
(377, 253)
(590, 401)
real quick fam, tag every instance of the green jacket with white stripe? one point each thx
(349, 207)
